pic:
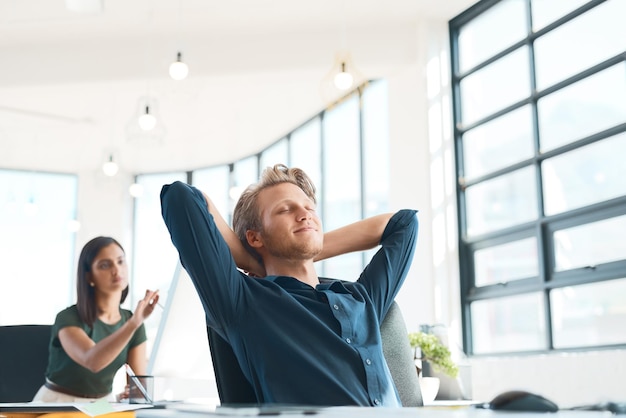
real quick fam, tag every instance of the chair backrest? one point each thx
(232, 385)
(400, 358)
(234, 388)
(23, 361)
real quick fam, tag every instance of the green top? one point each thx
(65, 372)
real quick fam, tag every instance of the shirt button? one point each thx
(376, 401)
(348, 340)
(336, 307)
(368, 362)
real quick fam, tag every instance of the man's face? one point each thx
(290, 226)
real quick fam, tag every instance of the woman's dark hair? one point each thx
(86, 302)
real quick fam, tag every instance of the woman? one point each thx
(92, 339)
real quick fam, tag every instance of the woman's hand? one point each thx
(124, 395)
(146, 306)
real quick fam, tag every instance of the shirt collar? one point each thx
(288, 282)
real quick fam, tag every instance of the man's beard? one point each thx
(292, 250)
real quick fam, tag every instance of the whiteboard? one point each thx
(181, 347)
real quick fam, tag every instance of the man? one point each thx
(299, 338)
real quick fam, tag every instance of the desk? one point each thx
(66, 414)
(68, 410)
(361, 412)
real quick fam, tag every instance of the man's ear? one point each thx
(254, 238)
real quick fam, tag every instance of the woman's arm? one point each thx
(358, 236)
(138, 359)
(96, 356)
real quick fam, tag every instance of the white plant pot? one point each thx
(429, 387)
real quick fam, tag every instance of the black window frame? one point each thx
(543, 226)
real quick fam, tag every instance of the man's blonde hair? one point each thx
(247, 214)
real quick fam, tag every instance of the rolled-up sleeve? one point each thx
(387, 270)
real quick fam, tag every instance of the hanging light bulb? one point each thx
(110, 168)
(343, 79)
(178, 69)
(85, 6)
(147, 121)
(135, 190)
(73, 225)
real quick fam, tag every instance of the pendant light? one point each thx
(343, 76)
(147, 121)
(343, 79)
(85, 6)
(110, 167)
(136, 190)
(178, 69)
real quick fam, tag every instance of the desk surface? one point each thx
(197, 411)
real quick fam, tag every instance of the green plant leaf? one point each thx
(433, 351)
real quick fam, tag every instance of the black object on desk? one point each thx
(522, 401)
(618, 408)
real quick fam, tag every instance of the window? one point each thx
(38, 221)
(540, 135)
(154, 257)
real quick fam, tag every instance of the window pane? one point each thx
(547, 11)
(579, 247)
(214, 182)
(275, 154)
(154, 256)
(590, 314)
(245, 172)
(376, 148)
(506, 262)
(342, 166)
(498, 143)
(476, 39)
(496, 86)
(582, 109)
(590, 174)
(515, 323)
(36, 245)
(306, 153)
(505, 201)
(581, 43)
(342, 174)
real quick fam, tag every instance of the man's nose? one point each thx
(304, 214)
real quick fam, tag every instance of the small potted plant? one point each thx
(432, 350)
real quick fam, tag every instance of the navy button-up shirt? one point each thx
(296, 344)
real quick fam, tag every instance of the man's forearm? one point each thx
(358, 236)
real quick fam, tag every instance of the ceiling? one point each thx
(71, 83)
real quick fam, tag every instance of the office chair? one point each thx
(23, 361)
(400, 359)
(232, 385)
(234, 388)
